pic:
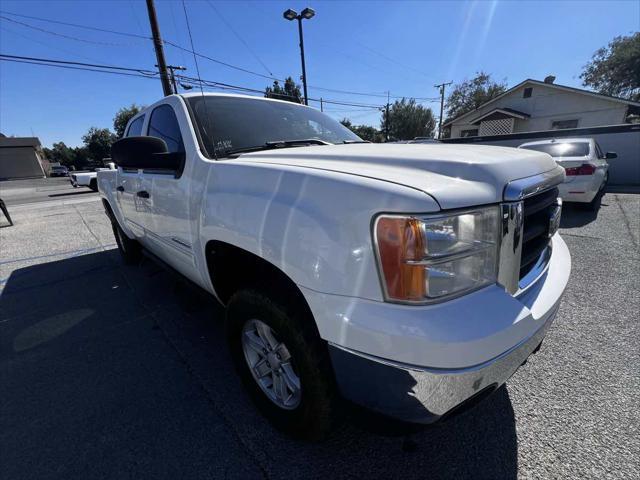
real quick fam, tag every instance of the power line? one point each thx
(86, 27)
(71, 67)
(206, 57)
(230, 27)
(70, 62)
(62, 35)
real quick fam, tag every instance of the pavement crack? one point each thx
(88, 227)
(626, 221)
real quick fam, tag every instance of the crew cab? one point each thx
(585, 164)
(412, 279)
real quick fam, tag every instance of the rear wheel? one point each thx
(93, 184)
(130, 250)
(283, 363)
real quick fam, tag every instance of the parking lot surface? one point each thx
(110, 371)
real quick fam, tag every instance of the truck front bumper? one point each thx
(425, 395)
(420, 363)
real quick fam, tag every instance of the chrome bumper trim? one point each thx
(420, 394)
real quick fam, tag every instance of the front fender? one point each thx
(314, 225)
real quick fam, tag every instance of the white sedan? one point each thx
(584, 163)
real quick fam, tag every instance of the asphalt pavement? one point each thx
(111, 371)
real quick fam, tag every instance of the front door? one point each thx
(169, 227)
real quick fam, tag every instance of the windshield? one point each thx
(568, 149)
(230, 124)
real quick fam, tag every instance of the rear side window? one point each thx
(567, 149)
(164, 124)
(135, 129)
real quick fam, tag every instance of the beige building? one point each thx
(533, 106)
(21, 157)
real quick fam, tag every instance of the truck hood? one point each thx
(454, 175)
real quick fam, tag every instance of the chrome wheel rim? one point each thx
(270, 364)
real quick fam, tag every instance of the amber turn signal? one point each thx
(401, 241)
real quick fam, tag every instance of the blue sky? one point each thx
(367, 46)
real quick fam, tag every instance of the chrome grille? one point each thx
(537, 211)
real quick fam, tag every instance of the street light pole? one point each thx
(306, 14)
(304, 69)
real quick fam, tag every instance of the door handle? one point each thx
(120, 188)
(143, 194)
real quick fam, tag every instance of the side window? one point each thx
(164, 124)
(135, 129)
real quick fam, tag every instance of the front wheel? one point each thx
(130, 250)
(283, 363)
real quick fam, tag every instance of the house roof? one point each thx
(19, 142)
(550, 85)
(509, 112)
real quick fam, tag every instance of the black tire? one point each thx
(316, 413)
(93, 184)
(130, 250)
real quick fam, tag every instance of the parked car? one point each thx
(58, 171)
(585, 165)
(411, 279)
(88, 179)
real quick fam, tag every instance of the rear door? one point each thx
(128, 182)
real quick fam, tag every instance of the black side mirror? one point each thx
(610, 155)
(146, 153)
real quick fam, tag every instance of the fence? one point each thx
(622, 139)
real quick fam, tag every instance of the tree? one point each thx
(615, 69)
(123, 116)
(290, 92)
(60, 153)
(365, 132)
(470, 94)
(97, 142)
(407, 120)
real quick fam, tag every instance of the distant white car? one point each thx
(88, 179)
(584, 163)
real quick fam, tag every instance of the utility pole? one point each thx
(157, 43)
(172, 68)
(441, 87)
(386, 119)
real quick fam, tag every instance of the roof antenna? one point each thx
(204, 100)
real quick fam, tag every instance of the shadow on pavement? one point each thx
(70, 193)
(114, 371)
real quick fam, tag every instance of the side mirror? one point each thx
(610, 155)
(145, 153)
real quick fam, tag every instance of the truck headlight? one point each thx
(424, 259)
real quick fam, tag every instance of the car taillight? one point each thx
(584, 169)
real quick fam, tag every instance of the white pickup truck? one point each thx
(412, 279)
(88, 179)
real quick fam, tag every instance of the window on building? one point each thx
(164, 124)
(561, 124)
(135, 129)
(527, 92)
(472, 132)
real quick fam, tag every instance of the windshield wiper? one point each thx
(277, 144)
(294, 143)
(355, 141)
